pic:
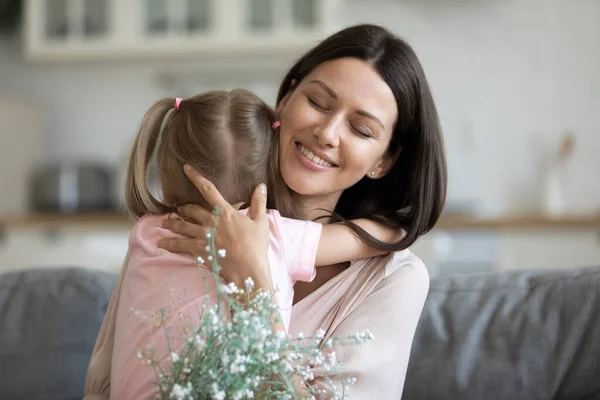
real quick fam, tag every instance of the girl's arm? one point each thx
(339, 244)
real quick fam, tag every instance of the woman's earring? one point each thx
(372, 173)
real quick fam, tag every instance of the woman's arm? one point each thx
(339, 243)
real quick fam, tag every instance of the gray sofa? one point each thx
(511, 335)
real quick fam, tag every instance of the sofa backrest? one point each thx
(49, 321)
(509, 335)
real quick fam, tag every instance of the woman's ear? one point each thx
(384, 165)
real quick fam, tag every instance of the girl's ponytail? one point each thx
(140, 200)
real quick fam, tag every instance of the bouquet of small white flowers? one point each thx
(235, 354)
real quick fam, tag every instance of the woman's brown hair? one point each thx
(412, 195)
(227, 136)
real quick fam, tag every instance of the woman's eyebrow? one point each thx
(325, 87)
(370, 116)
(359, 112)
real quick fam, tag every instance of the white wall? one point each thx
(510, 77)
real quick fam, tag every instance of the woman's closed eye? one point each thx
(318, 104)
(361, 130)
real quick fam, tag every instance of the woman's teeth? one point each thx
(309, 154)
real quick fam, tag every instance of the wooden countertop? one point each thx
(520, 222)
(112, 221)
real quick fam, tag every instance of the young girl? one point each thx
(230, 137)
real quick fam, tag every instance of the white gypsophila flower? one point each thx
(174, 357)
(287, 367)
(200, 260)
(230, 288)
(234, 352)
(198, 342)
(369, 335)
(222, 253)
(363, 336)
(332, 358)
(207, 248)
(271, 357)
(208, 236)
(179, 392)
(249, 284)
(225, 358)
(140, 354)
(210, 258)
(219, 396)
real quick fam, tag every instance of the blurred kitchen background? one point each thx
(517, 85)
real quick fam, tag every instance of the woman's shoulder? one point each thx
(405, 269)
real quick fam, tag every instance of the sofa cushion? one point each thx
(49, 320)
(509, 335)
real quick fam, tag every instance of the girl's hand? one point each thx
(244, 238)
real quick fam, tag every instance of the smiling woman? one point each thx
(347, 127)
(359, 137)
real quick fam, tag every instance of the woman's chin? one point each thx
(313, 190)
(302, 187)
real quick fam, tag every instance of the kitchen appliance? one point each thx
(73, 187)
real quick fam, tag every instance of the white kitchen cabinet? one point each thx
(63, 30)
(55, 28)
(32, 247)
(534, 249)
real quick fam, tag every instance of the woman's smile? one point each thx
(313, 159)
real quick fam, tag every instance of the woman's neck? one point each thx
(312, 207)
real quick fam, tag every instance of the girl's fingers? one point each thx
(199, 214)
(185, 228)
(185, 246)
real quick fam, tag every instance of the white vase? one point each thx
(554, 191)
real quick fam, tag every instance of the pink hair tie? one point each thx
(177, 102)
(276, 124)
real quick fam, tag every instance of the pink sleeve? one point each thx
(300, 240)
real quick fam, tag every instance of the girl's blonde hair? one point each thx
(227, 136)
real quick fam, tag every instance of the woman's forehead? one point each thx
(357, 83)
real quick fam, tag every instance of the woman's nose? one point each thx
(328, 132)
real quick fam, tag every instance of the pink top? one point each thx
(383, 294)
(156, 279)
